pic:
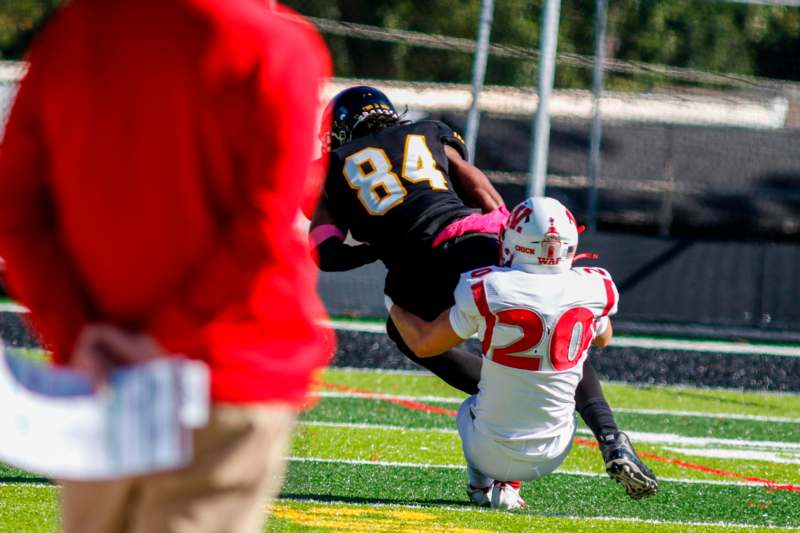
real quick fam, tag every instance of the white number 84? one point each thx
(369, 171)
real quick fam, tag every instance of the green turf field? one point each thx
(379, 452)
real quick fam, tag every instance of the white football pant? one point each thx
(495, 460)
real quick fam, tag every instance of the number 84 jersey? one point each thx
(391, 188)
(535, 331)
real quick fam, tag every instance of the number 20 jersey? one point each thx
(392, 189)
(536, 330)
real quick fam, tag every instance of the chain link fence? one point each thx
(683, 152)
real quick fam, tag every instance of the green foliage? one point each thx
(707, 35)
(19, 20)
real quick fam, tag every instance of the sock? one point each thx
(592, 405)
(598, 416)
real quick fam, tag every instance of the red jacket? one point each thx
(150, 176)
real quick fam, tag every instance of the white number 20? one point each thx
(369, 171)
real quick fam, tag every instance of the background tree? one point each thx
(19, 21)
(708, 35)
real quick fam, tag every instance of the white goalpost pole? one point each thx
(597, 122)
(548, 40)
(479, 74)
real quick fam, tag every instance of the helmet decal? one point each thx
(520, 213)
(571, 217)
(541, 237)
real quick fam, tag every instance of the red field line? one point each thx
(405, 403)
(578, 440)
(709, 470)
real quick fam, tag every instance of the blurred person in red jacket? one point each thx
(150, 177)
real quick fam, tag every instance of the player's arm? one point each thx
(426, 339)
(329, 250)
(604, 333)
(471, 184)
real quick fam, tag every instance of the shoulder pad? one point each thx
(452, 138)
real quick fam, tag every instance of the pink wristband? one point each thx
(324, 232)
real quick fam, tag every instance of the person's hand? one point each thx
(102, 347)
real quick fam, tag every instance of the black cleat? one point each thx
(625, 467)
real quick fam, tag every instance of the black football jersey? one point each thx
(392, 189)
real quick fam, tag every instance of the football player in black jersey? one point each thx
(405, 190)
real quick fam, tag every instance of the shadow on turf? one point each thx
(22, 480)
(375, 501)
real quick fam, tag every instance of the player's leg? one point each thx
(479, 485)
(425, 287)
(458, 368)
(621, 461)
(238, 468)
(96, 506)
(591, 403)
(482, 489)
(431, 292)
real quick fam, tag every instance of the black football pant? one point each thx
(424, 285)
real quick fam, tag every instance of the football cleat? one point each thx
(505, 495)
(480, 495)
(625, 467)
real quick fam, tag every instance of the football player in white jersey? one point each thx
(536, 317)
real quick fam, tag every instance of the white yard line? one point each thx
(380, 396)
(476, 509)
(390, 464)
(722, 347)
(362, 327)
(667, 439)
(373, 427)
(657, 412)
(22, 483)
(705, 442)
(731, 525)
(393, 371)
(7, 307)
(462, 466)
(621, 341)
(747, 455)
(672, 479)
(425, 373)
(701, 414)
(729, 348)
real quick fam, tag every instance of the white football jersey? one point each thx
(535, 331)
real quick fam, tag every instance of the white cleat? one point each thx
(505, 495)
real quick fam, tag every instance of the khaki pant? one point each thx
(237, 471)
